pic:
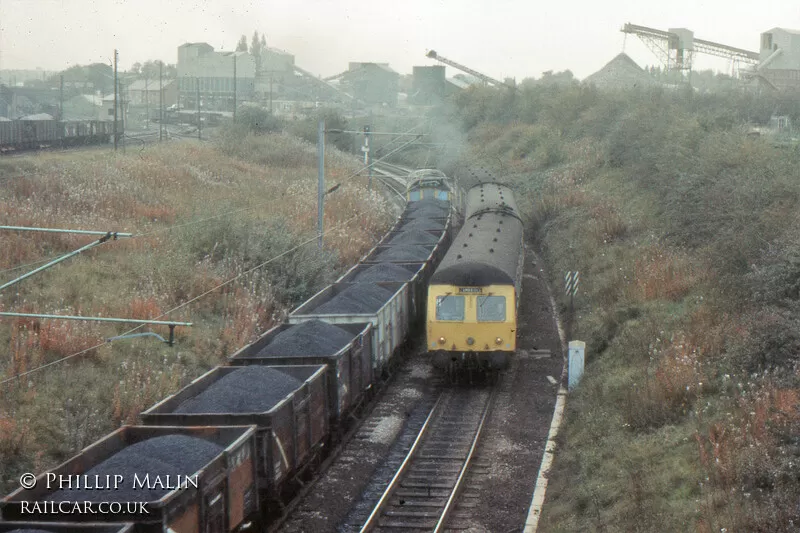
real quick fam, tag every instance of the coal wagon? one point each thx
(213, 485)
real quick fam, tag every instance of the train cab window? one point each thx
(449, 307)
(491, 308)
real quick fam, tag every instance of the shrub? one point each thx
(258, 120)
(307, 129)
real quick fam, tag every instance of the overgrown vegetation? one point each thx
(685, 232)
(202, 214)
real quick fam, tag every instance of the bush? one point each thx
(242, 245)
(258, 120)
(308, 129)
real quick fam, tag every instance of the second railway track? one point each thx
(426, 487)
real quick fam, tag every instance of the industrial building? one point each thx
(428, 85)
(212, 75)
(372, 83)
(776, 65)
(779, 58)
(276, 76)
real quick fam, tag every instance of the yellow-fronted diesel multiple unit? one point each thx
(473, 296)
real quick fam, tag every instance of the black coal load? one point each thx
(30, 531)
(404, 252)
(383, 272)
(250, 389)
(426, 212)
(443, 205)
(414, 236)
(314, 337)
(360, 298)
(150, 461)
(422, 223)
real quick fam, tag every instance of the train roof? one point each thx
(426, 173)
(419, 179)
(485, 252)
(489, 197)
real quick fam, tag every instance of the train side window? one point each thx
(491, 308)
(449, 307)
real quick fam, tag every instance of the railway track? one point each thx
(425, 488)
(394, 178)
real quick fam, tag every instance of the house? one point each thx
(107, 112)
(146, 92)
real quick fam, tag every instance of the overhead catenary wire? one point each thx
(378, 160)
(231, 280)
(184, 304)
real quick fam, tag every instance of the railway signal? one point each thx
(365, 149)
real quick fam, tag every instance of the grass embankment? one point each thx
(686, 235)
(265, 185)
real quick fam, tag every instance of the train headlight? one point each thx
(498, 341)
(442, 340)
(470, 341)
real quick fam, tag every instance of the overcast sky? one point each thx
(514, 38)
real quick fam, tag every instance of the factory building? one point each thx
(779, 58)
(428, 85)
(372, 83)
(276, 76)
(210, 74)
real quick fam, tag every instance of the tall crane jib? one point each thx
(483, 77)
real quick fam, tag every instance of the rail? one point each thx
(457, 419)
(373, 517)
(390, 175)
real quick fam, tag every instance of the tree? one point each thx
(263, 43)
(242, 46)
(136, 68)
(255, 50)
(100, 75)
(171, 71)
(150, 69)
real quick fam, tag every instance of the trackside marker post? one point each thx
(576, 357)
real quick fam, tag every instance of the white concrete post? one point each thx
(576, 355)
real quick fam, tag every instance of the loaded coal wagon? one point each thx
(212, 484)
(287, 404)
(385, 305)
(345, 350)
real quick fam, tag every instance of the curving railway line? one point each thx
(419, 453)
